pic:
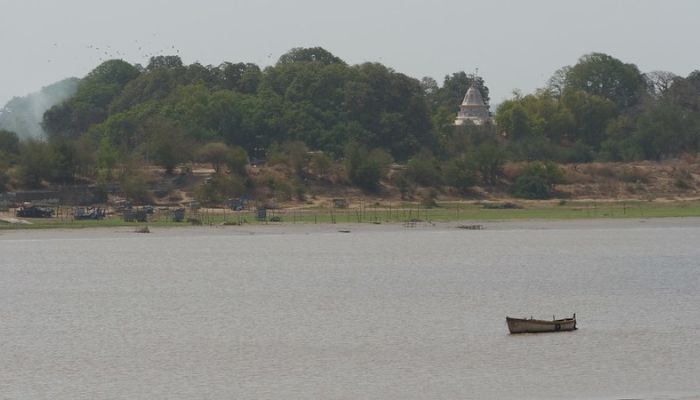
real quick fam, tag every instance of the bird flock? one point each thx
(141, 48)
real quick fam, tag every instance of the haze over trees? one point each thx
(311, 109)
(24, 115)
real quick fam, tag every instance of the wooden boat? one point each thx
(523, 325)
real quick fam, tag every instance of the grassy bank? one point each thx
(395, 213)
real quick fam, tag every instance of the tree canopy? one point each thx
(368, 114)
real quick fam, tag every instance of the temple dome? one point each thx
(473, 98)
(473, 110)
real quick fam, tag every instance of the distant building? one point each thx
(473, 110)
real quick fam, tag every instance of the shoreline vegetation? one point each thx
(311, 133)
(408, 214)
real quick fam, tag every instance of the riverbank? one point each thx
(383, 213)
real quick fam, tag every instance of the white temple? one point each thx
(472, 110)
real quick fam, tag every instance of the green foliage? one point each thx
(219, 154)
(237, 160)
(367, 175)
(366, 168)
(683, 92)
(319, 108)
(164, 62)
(460, 173)
(106, 157)
(454, 86)
(314, 54)
(428, 200)
(424, 169)
(399, 180)
(112, 72)
(168, 145)
(241, 77)
(222, 186)
(67, 160)
(218, 188)
(537, 181)
(666, 130)
(9, 146)
(514, 120)
(321, 164)
(91, 101)
(591, 114)
(36, 163)
(295, 154)
(607, 77)
(488, 161)
(679, 183)
(135, 187)
(576, 116)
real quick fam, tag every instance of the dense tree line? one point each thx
(311, 108)
(604, 109)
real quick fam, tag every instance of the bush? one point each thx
(365, 169)
(682, 184)
(423, 169)
(537, 181)
(36, 162)
(428, 200)
(460, 173)
(9, 145)
(402, 184)
(367, 175)
(218, 188)
(215, 153)
(489, 160)
(135, 188)
(237, 160)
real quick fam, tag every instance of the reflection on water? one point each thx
(380, 313)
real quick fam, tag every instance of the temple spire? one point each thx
(473, 110)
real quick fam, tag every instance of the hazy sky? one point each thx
(515, 44)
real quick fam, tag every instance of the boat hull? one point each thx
(518, 325)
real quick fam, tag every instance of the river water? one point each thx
(382, 312)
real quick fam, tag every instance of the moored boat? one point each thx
(523, 325)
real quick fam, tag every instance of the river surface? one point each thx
(382, 312)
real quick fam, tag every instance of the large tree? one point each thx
(605, 76)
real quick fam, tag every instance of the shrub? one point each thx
(683, 184)
(215, 153)
(428, 200)
(402, 184)
(218, 188)
(537, 181)
(423, 169)
(489, 160)
(135, 188)
(460, 173)
(9, 145)
(237, 160)
(365, 169)
(321, 164)
(367, 175)
(36, 162)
